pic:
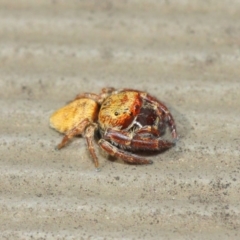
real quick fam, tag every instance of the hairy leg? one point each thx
(74, 132)
(125, 156)
(136, 141)
(97, 97)
(151, 130)
(161, 108)
(89, 136)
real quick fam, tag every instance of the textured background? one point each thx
(185, 52)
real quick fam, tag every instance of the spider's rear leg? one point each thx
(87, 128)
(119, 153)
(89, 135)
(77, 130)
(96, 97)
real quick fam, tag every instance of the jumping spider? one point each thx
(128, 121)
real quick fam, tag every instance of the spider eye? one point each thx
(116, 113)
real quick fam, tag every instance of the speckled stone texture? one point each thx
(186, 53)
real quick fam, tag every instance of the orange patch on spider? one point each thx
(67, 117)
(119, 110)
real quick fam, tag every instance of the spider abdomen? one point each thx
(76, 111)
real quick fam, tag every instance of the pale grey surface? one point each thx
(187, 53)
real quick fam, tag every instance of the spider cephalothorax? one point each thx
(127, 120)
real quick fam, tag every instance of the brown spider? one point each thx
(128, 121)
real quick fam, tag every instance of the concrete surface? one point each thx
(187, 53)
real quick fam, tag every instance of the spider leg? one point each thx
(89, 136)
(97, 97)
(136, 141)
(77, 130)
(92, 96)
(162, 109)
(108, 90)
(148, 143)
(125, 156)
(148, 130)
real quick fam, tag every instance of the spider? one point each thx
(127, 120)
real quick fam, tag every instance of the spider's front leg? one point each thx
(119, 153)
(163, 110)
(135, 141)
